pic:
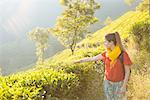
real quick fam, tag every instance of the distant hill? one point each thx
(20, 54)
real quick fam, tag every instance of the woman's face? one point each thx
(108, 44)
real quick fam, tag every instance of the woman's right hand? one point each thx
(77, 61)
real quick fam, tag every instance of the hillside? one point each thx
(59, 79)
(121, 25)
(91, 74)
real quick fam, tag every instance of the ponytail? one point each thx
(118, 41)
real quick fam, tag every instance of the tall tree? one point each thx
(74, 22)
(40, 36)
(144, 6)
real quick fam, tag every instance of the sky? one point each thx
(19, 16)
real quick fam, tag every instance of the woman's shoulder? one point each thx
(104, 52)
(126, 57)
(125, 52)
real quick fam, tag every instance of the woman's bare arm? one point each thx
(95, 58)
(127, 74)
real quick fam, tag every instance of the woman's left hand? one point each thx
(122, 90)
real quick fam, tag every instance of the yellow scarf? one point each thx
(113, 55)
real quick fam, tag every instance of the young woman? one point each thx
(117, 67)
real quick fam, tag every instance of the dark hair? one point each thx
(115, 38)
(111, 37)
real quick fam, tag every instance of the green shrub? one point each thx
(37, 84)
(139, 81)
(141, 34)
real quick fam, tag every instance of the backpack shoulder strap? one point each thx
(121, 57)
(121, 60)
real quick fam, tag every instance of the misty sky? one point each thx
(20, 16)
